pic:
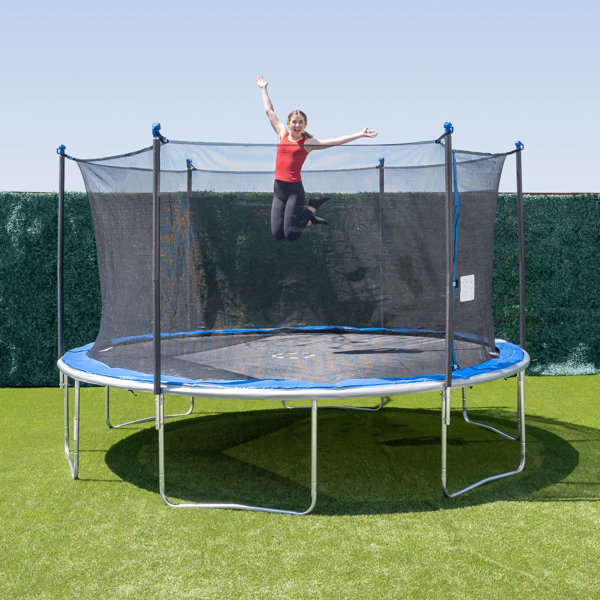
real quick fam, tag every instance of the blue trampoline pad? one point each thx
(293, 360)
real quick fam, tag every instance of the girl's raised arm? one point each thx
(277, 125)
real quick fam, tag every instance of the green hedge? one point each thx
(562, 237)
(28, 285)
(562, 258)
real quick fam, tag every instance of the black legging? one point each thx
(289, 215)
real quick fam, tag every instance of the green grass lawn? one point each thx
(381, 527)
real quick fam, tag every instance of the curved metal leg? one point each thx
(489, 427)
(72, 458)
(384, 399)
(161, 470)
(145, 419)
(520, 436)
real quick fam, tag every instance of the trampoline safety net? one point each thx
(360, 298)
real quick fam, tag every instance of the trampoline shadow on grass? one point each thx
(387, 462)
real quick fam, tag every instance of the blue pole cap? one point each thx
(381, 162)
(157, 134)
(448, 127)
(61, 152)
(188, 162)
(520, 145)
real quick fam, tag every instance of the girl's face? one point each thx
(296, 124)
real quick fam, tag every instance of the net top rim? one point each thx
(477, 157)
(275, 144)
(243, 145)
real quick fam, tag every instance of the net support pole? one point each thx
(449, 253)
(381, 168)
(449, 281)
(521, 237)
(189, 166)
(156, 262)
(60, 256)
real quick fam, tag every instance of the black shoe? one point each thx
(316, 202)
(317, 220)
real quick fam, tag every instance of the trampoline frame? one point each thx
(314, 395)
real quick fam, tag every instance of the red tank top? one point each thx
(290, 158)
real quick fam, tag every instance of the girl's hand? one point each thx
(262, 83)
(366, 132)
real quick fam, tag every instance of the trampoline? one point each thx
(392, 297)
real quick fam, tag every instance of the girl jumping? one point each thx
(289, 213)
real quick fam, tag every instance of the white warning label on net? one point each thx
(467, 288)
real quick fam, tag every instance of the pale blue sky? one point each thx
(95, 76)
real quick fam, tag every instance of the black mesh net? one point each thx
(363, 297)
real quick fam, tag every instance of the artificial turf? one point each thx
(381, 527)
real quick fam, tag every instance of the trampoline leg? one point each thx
(489, 427)
(160, 425)
(145, 419)
(520, 437)
(521, 413)
(72, 458)
(107, 407)
(383, 401)
(445, 424)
